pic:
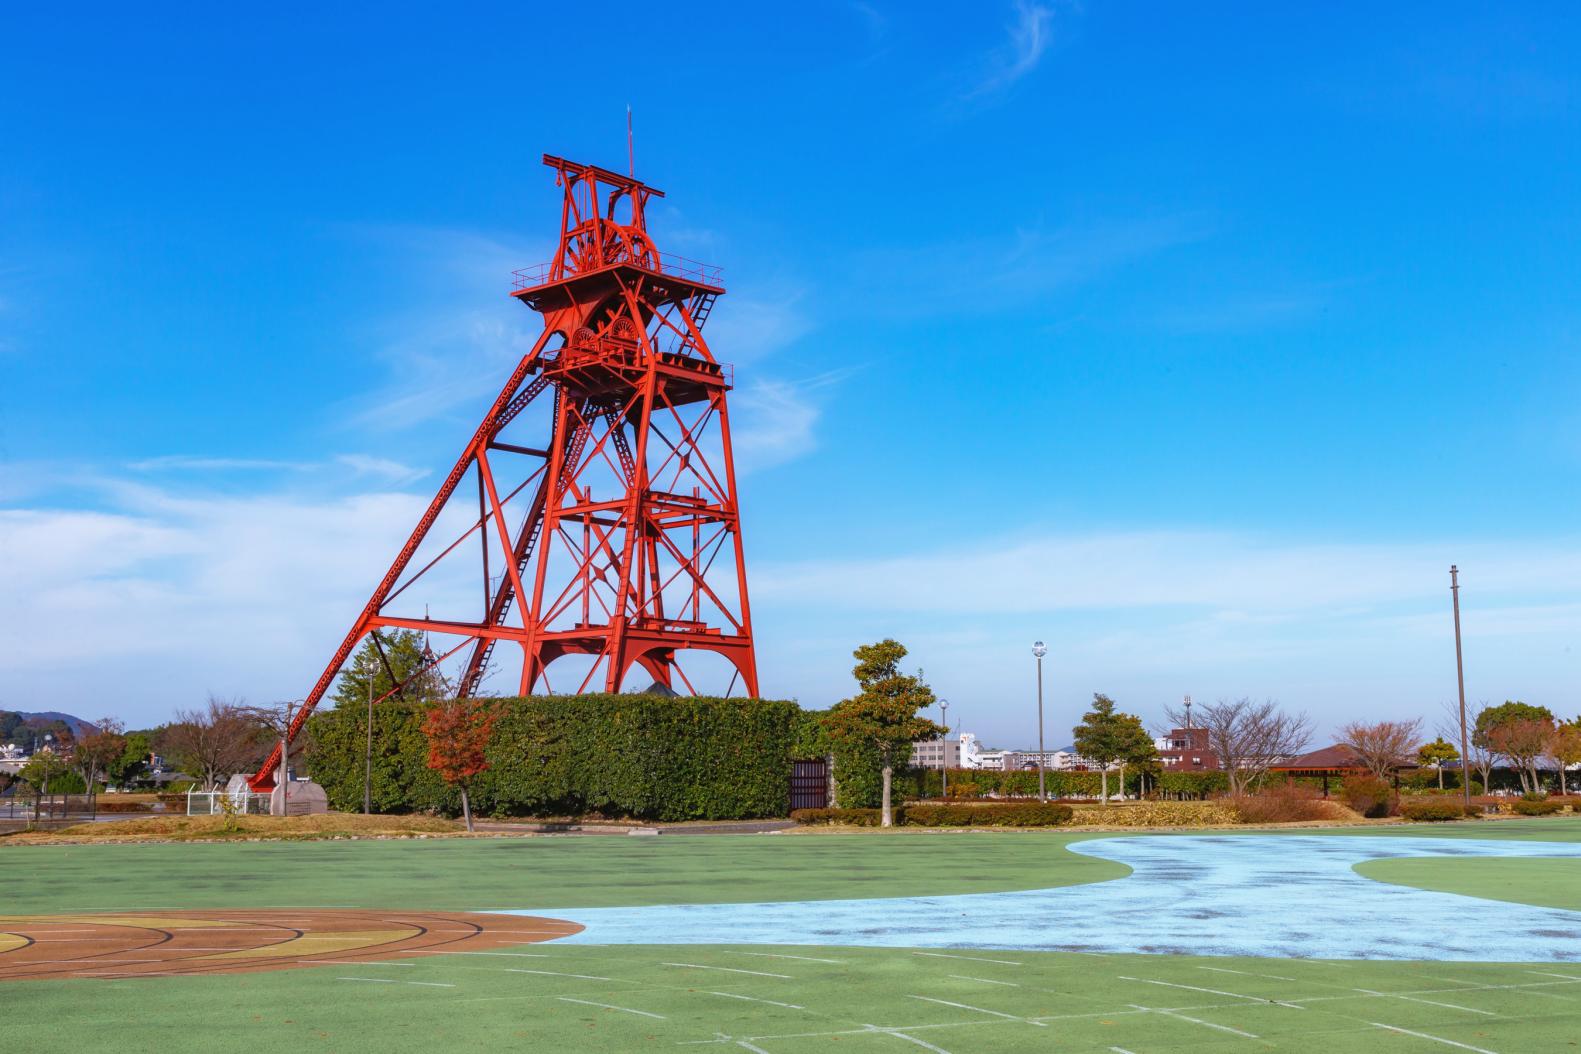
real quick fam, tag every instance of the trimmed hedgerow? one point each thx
(1022, 814)
(1368, 795)
(640, 756)
(1018, 814)
(1435, 811)
(1530, 806)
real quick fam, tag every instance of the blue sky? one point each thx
(1197, 340)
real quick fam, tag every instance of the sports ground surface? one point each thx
(724, 942)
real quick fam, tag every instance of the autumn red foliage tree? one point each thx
(458, 732)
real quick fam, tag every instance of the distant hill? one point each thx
(10, 720)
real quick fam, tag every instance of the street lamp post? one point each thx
(1039, 649)
(944, 755)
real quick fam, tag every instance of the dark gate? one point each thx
(809, 785)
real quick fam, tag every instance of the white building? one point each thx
(936, 753)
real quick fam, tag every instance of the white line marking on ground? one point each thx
(728, 969)
(1429, 1002)
(556, 973)
(984, 980)
(1424, 1035)
(1120, 1050)
(1194, 988)
(898, 1034)
(780, 955)
(1544, 973)
(973, 958)
(1246, 973)
(610, 1006)
(978, 1009)
(755, 1050)
(430, 984)
(508, 955)
(375, 980)
(348, 962)
(1195, 1021)
(755, 999)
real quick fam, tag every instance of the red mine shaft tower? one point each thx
(605, 529)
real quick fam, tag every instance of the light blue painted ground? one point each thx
(1282, 897)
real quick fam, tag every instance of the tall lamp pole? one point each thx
(1039, 649)
(1460, 678)
(944, 755)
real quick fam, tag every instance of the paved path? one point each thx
(1279, 896)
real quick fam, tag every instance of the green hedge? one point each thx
(1435, 811)
(1022, 814)
(639, 756)
(977, 783)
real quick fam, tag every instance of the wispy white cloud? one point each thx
(1028, 38)
(392, 472)
(775, 421)
(991, 274)
(195, 463)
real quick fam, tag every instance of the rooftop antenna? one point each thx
(631, 150)
(1188, 711)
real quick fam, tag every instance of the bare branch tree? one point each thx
(1384, 747)
(1480, 758)
(1248, 737)
(212, 743)
(97, 748)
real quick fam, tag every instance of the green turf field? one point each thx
(764, 999)
(1547, 883)
(678, 998)
(601, 871)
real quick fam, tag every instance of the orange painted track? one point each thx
(166, 943)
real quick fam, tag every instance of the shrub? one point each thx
(1019, 814)
(1529, 806)
(1368, 795)
(1434, 811)
(1156, 814)
(1284, 804)
(854, 817)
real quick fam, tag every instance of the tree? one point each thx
(133, 762)
(46, 766)
(1564, 749)
(1248, 737)
(458, 732)
(408, 656)
(882, 717)
(1106, 737)
(98, 749)
(1383, 747)
(1437, 754)
(215, 742)
(1519, 732)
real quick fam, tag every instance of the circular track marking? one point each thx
(164, 943)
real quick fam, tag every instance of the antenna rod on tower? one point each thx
(631, 150)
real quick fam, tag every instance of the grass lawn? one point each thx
(801, 999)
(765, 999)
(474, 874)
(1546, 883)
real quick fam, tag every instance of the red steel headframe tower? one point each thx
(606, 523)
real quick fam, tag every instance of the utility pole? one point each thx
(1039, 649)
(285, 762)
(1460, 678)
(367, 761)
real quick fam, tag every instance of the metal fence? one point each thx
(212, 803)
(22, 811)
